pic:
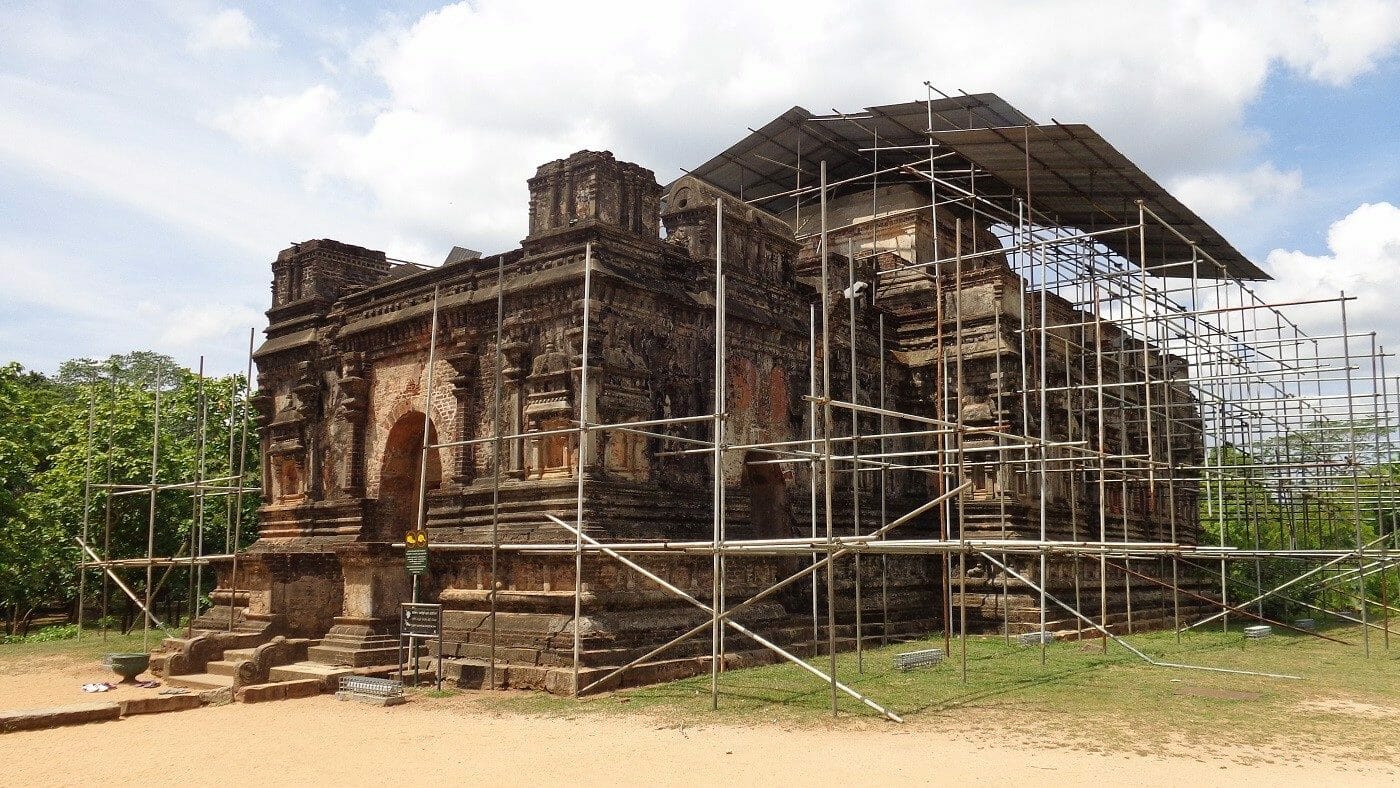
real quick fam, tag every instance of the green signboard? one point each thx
(415, 554)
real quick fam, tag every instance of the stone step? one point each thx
(224, 667)
(200, 681)
(279, 690)
(228, 666)
(328, 675)
(300, 671)
(353, 656)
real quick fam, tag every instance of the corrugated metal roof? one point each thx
(1069, 172)
(1075, 175)
(763, 167)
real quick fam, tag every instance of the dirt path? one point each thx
(56, 680)
(460, 739)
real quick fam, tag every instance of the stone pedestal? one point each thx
(366, 632)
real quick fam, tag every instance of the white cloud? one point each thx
(228, 30)
(111, 310)
(1363, 259)
(1343, 39)
(194, 326)
(475, 95)
(1222, 195)
(411, 135)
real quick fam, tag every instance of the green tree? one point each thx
(1311, 489)
(30, 553)
(46, 511)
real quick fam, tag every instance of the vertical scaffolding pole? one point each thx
(1383, 479)
(496, 465)
(197, 522)
(241, 482)
(107, 499)
(87, 506)
(582, 462)
(717, 491)
(855, 446)
(151, 512)
(421, 521)
(884, 496)
(812, 463)
(1355, 479)
(825, 296)
(962, 474)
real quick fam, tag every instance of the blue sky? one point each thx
(155, 157)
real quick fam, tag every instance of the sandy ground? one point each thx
(56, 681)
(460, 739)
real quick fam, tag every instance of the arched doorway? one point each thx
(768, 501)
(398, 478)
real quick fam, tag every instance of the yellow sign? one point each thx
(415, 552)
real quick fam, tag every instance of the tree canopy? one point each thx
(93, 422)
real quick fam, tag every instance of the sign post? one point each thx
(419, 621)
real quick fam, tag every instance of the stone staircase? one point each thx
(239, 662)
(225, 660)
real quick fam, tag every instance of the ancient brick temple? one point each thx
(344, 375)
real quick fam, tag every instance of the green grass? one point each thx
(1080, 696)
(92, 646)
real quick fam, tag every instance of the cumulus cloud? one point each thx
(413, 134)
(1362, 259)
(229, 29)
(1222, 195)
(472, 96)
(194, 326)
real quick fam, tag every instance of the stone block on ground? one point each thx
(76, 714)
(373, 700)
(160, 703)
(279, 690)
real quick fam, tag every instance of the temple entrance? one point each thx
(398, 479)
(767, 498)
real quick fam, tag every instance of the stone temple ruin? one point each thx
(898, 280)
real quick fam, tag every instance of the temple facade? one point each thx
(351, 385)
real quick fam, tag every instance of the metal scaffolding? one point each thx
(1160, 390)
(1137, 388)
(193, 554)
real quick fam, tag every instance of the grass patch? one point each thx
(1081, 696)
(92, 646)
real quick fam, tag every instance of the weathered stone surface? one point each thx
(76, 714)
(281, 690)
(160, 703)
(348, 396)
(372, 700)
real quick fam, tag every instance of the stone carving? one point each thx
(278, 651)
(349, 338)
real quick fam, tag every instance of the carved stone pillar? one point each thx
(548, 408)
(308, 405)
(513, 403)
(354, 407)
(264, 407)
(465, 362)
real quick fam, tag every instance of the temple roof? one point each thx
(1068, 174)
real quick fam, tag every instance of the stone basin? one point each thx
(129, 666)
